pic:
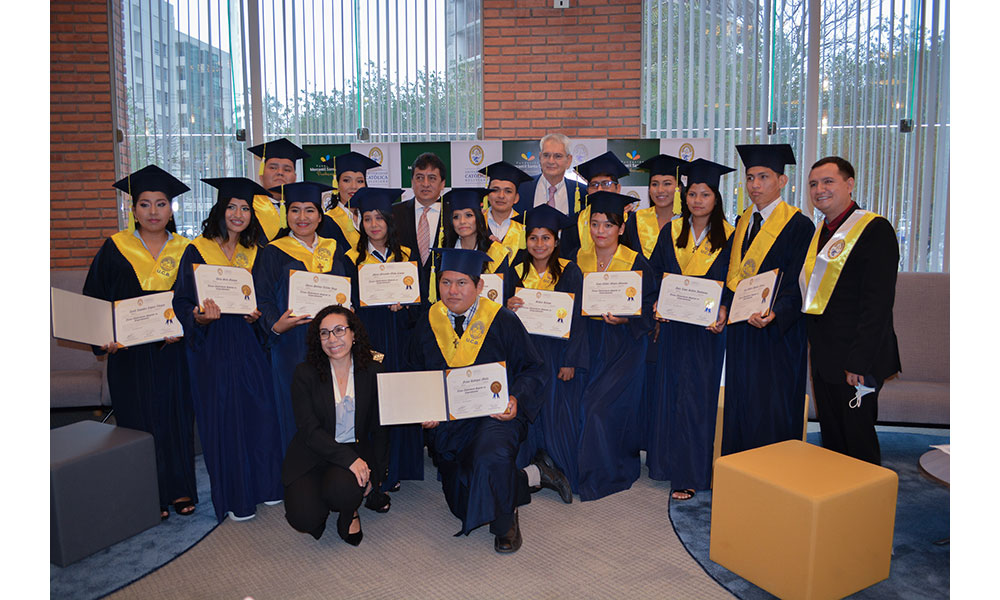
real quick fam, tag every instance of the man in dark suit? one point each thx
(552, 187)
(848, 286)
(420, 222)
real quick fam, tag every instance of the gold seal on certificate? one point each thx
(544, 312)
(462, 393)
(492, 287)
(229, 287)
(384, 284)
(128, 322)
(309, 293)
(754, 294)
(615, 292)
(693, 300)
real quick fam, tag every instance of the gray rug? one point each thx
(619, 546)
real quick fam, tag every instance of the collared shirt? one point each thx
(135, 232)
(468, 315)
(831, 228)
(498, 229)
(374, 252)
(432, 218)
(704, 232)
(542, 194)
(310, 247)
(766, 211)
(345, 408)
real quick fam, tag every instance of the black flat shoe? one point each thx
(184, 508)
(343, 529)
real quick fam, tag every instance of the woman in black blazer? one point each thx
(320, 473)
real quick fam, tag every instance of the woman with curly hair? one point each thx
(339, 452)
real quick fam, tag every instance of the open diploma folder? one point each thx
(754, 294)
(130, 322)
(449, 395)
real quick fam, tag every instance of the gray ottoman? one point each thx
(102, 482)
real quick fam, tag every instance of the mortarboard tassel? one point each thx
(739, 199)
(576, 197)
(282, 217)
(131, 215)
(263, 159)
(677, 192)
(486, 203)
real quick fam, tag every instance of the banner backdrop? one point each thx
(409, 151)
(687, 148)
(468, 157)
(387, 155)
(523, 154)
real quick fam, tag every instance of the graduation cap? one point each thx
(772, 156)
(664, 164)
(609, 203)
(466, 197)
(706, 171)
(505, 171)
(605, 164)
(353, 161)
(151, 179)
(303, 191)
(279, 148)
(546, 216)
(461, 260)
(236, 187)
(373, 198)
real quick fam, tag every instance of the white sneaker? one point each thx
(235, 518)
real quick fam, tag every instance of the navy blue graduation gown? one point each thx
(389, 333)
(270, 280)
(610, 432)
(685, 392)
(556, 428)
(476, 457)
(766, 368)
(148, 383)
(233, 398)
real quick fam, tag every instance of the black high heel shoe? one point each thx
(344, 528)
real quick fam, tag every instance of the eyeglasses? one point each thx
(610, 183)
(553, 156)
(338, 331)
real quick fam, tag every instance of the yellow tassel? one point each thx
(131, 215)
(336, 188)
(522, 243)
(677, 192)
(576, 198)
(282, 217)
(486, 203)
(739, 199)
(263, 159)
(432, 286)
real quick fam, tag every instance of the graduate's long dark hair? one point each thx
(391, 239)
(483, 241)
(717, 229)
(214, 226)
(171, 225)
(615, 219)
(553, 265)
(361, 351)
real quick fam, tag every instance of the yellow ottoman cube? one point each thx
(801, 521)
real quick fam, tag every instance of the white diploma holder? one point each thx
(130, 322)
(385, 284)
(615, 292)
(687, 299)
(452, 394)
(754, 294)
(545, 312)
(309, 293)
(231, 288)
(493, 287)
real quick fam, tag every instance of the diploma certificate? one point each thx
(229, 287)
(452, 394)
(493, 287)
(309, 293)
(130, 322)
(615, 292)
(388, 283)
(693, 300)
(544, 312)
(754, 294)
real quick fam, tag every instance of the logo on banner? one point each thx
(476, 155)
(376, 154)
(580, 153)
(686, 151)
(528, 155)
(324, 159)
(633, 194)
(632, 155)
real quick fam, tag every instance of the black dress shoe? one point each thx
(343, 528)
(551, 477)
(510, 541)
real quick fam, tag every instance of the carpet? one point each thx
(107, 570)
(919, 568)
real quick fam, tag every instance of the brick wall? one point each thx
(82, 202)
(575, 70)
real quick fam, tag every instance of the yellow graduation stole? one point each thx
(741, 267)
(154, 274)
(352, 255)
(648, 228)
(498, 252)
(462, 352)
(213, 254)
(532, 280)
(821, 270)
(695, 261)
(343, 220)
(319, 260)
(622, 260)
(271, 219)
(583, 227)
(514, 239)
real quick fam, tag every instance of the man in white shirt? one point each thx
(418, 221)
(552, 187)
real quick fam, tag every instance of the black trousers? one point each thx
(847, 430)
(310, 499)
